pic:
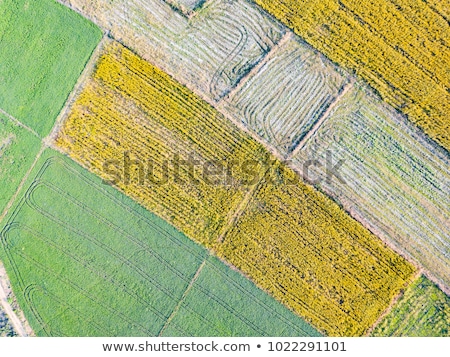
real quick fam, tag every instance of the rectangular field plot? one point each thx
(287, 95)
(209, 52)
(43, 49)
(84, 260)
(400, 47)
(237, 308)
(300, 246)
(394, 179)
(423, 310)
(131, 108)
(18, 148)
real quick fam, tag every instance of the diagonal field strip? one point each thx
(319, 122)
(183, 297)
(19, 123)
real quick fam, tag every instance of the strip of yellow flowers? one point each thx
(290, 239)
(400, 47)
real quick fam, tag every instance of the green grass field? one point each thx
(235, 305)
(423, 310)
(84, 260)
(18, 148)
(44, 47)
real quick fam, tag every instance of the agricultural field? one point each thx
(400, 47)
(129, 105)
(309, 254)
(423, 310)
(18, 148)
(210, 52)
(44, 48)
(218, 169)
(234, 302)
(393, 178)
(287, 95)
(84, 260)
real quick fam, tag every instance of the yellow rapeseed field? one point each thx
(288, 238)
(400, 47)
(300, 246)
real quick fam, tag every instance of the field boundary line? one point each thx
(239, 125)
(240, 208)
(69, 6)
(383, 236)
(22, 183)
(394, 301)
(13, 318)
(254, 71)
(183, 297)
(19, 123)
(78, 87)
(348, 86)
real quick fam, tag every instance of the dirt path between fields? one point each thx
(19, 123)
(77, 89)
(13, 318)
(183, 297)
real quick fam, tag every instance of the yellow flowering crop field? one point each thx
(308, 253)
